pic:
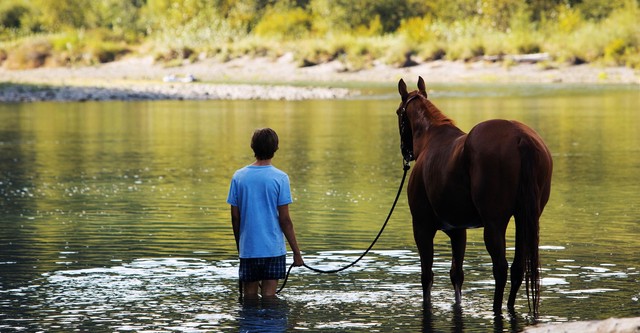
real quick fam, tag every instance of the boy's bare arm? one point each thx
(287, 228)
(235, 222)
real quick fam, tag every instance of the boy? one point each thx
(259, 197)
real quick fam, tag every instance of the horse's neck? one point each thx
(440, 137)
(433, 127)
(442, 134)
(435, 117)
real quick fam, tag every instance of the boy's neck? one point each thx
(262, 162)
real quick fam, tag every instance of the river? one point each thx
(114, 215)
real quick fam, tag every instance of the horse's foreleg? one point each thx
(495, 244)
(458, 246)
(424, 241)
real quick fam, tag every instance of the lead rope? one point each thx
(406, 167)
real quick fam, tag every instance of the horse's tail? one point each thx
(528, 213)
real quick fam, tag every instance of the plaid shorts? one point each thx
(258, 269)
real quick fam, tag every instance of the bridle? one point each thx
(407, 152)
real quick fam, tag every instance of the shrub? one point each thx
(13, 14)
(372, 28)
(314, 51)
(290, 24)
(614, 51)
(3, 56)
(30, 54)
(568, 20)
(102, 51)
(416, 30)
(632, 57)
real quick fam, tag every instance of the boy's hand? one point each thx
(297, 260)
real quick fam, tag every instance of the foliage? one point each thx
(357, 32)
(13, 14)
(287, 24)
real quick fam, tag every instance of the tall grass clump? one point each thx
(207, 34)
(355, 52)
(32, 53)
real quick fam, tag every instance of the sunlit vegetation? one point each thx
(36, 33)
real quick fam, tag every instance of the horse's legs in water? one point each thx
(517, 268)
(424, 234)
(458, 245)
(494, 241)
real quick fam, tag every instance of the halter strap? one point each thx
(404, 106)
(408, 157)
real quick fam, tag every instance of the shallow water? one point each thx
(114, 215)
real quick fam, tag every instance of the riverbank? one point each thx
(266, 78)
(611, 325)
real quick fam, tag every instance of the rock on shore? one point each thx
(611, 325)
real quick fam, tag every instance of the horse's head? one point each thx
(406, 134)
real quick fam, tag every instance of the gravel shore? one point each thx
(266, 78)
(151, 91)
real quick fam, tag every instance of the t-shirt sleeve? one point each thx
(284, 195)
(232, 198)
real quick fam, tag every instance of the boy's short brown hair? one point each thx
(264, 143)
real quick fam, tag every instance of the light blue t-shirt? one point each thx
(258, 191)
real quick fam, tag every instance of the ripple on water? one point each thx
(189, 294)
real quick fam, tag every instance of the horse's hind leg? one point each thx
(517, 268)
(458, 246)
(495, 244)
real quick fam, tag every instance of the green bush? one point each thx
(290, 24)
(615, 50)
(416, 30)
(632, 57)
(13, 14)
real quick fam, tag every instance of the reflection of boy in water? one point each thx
(259, 197)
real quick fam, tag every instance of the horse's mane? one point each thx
(435, 116)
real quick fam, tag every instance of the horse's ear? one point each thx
(402, 89)
(421, 86)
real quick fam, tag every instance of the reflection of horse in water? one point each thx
(500, 169)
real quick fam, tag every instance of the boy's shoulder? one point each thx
(278, 171)
(268, 170)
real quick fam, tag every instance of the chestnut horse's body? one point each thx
(481, 179)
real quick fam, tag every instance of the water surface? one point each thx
(114, 215)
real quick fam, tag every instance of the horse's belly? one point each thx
(457, 216)
(468, 224)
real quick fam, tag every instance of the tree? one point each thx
(59, 14)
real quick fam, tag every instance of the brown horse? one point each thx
(500, 169)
